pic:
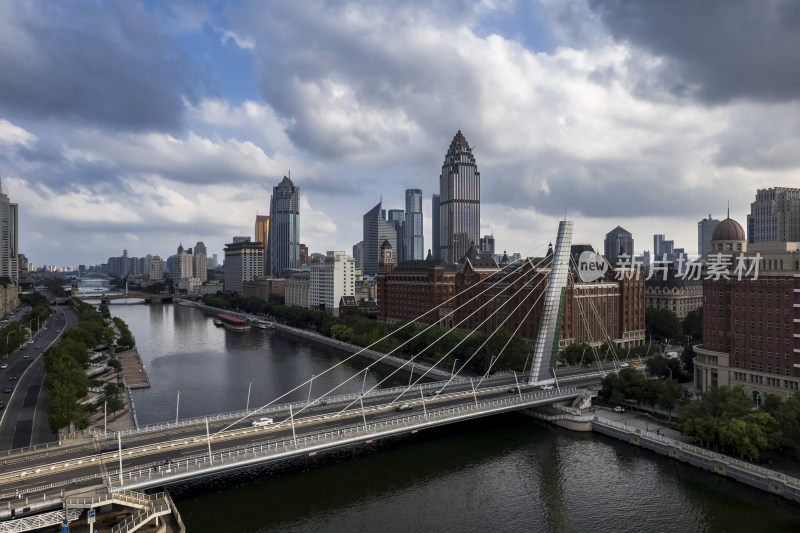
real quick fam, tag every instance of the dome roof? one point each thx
(728, 230)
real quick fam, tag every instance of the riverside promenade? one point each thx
(643, 432)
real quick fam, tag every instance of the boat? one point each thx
(232, 322)
(218, 322)
(263, 325)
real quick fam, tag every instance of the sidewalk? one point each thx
(133, 369)
(642, 421)
(645, 423)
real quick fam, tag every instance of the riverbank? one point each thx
(652, 435)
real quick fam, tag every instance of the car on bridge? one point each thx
(3, 365)
(435, 392)
(8, 390)
(513, 390)
(546, 387)
(110, 448)
(403, 407)
(623, 365)
(261, 422)
(13, 377)
(619, 409)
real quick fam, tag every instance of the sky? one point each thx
(141, 125)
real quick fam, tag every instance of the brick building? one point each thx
(410, 290)
(751, 326)
(487, 295)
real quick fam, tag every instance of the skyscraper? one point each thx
(774, 216)
(435, 228)
(705, 230)
(414, 241)
(9, 238)
(283, 246)
(261, 234)
(459, 201)
(199, 262)
(397, 219)
(618, 242)
(376, 230)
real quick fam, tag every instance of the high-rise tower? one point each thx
(9, 238)
(261, 234)
(414, 245)
(376, 231)
(459, 201)
(283, 241)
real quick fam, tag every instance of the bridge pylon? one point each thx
(545, 351)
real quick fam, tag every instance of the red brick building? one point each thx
(412, 289)
(486, 296)
(751, 326)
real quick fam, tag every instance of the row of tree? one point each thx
(663, 324)
(630, 387)
(17, 332)
(65, 364)
(432, 344)
(724, 418)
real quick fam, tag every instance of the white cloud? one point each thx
(14, 135)
(245, 42)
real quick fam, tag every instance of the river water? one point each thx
(504, 473)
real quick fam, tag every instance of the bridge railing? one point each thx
(285, 407)
(708, 454)
(239, 456)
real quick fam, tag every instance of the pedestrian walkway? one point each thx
(133, 370)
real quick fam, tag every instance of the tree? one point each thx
(111, 390)
(693, 324)
(114, 405)
(662, 323)
(342, 332)
(669, 394)
(787, 414)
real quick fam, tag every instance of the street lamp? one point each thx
(452, 372)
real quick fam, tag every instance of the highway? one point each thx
(23, 422)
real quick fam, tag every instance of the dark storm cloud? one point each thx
(101, 63)
(598, 188)
(715, 50)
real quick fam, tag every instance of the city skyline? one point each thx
(602, 112)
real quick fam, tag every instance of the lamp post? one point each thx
(247, 407)
(452, 372)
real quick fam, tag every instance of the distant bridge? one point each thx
(148, 298)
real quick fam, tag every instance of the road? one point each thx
(23, 422)
(66, 464)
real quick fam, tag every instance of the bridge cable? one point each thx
(343, 361)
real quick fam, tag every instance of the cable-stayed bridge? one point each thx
(158, 456)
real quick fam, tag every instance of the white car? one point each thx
(619, 409)
(546, 387)
(623, 365)
(261, 422)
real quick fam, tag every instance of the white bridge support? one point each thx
(546, 349)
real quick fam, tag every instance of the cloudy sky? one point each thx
(140, 125)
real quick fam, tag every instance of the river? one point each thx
(505, 473)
